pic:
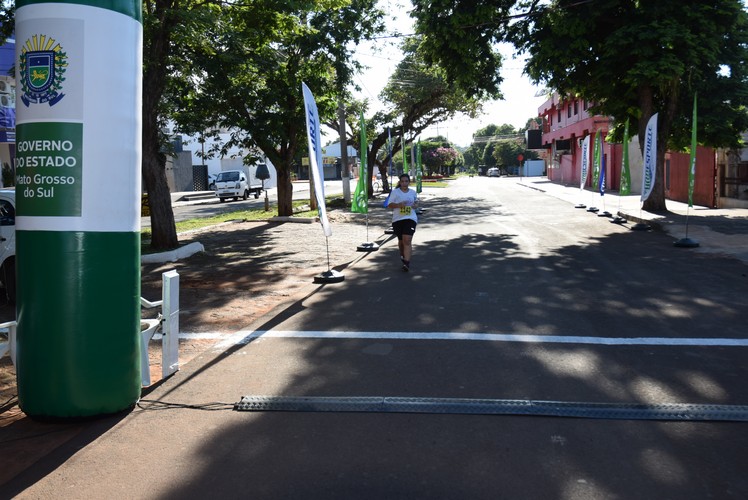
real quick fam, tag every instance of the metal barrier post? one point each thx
(168, 324)
(170, 327)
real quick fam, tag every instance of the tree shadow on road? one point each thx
(621, 284)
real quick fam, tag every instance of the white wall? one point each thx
(238, 163)
(334, 150)
(216, 165)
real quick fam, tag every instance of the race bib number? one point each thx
(405, 210)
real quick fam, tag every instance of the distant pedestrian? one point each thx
(403, 201)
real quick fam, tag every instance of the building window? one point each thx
(585, 105)
(576, 107)
(568, 110)
(559, 115)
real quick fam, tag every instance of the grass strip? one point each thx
(252, 214)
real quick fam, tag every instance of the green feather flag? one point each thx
(597, 158)
(625, 188)
(360, 201)
(419, 168)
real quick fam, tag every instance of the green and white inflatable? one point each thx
(78, 143)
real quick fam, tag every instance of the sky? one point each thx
(381, 58)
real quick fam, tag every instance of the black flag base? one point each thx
(605, 214)
(640, 226)
(367, 247)
(331, 276)
(686, 243)
(581, 205)
(593, 209)
(389, 230)
(618, 220)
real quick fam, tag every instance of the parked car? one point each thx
(493, 172)
(8, 242)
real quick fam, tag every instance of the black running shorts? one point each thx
(404, 226)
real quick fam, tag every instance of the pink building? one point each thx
(567, 122)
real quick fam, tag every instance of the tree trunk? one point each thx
(163, 229)
(285, 190)
(313, 205)
(282, 160)
(656, 200)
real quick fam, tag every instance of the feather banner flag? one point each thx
(391, 172)
(601, 183)
(360, 201)
(692, 162)
(405, 155)
(625, 188)
(419, 168)
(649, 166)
(597, 156)
(585, 162)
(315, 156)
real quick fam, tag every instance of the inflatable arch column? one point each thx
(78, 188)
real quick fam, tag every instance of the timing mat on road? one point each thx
(244, 337)
(612, 411)
(376, 404)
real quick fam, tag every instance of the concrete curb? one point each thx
(304, 220)
(172, 255)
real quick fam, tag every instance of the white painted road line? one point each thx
(244, 337)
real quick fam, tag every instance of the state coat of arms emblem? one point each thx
(42, 65)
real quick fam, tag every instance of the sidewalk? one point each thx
(720, 231)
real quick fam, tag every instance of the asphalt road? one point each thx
(560, 306)
(210, 207)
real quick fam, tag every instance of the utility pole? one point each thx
(344, 153)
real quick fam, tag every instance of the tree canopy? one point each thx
(416, 97)
(634, 59)
(631, 58)
(250, 72)
(7, 18)
(497, 146)
(460, 36)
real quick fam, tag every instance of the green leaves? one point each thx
(614, 52)
(461, 36)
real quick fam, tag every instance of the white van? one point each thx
(236, 184)
(8, 242)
